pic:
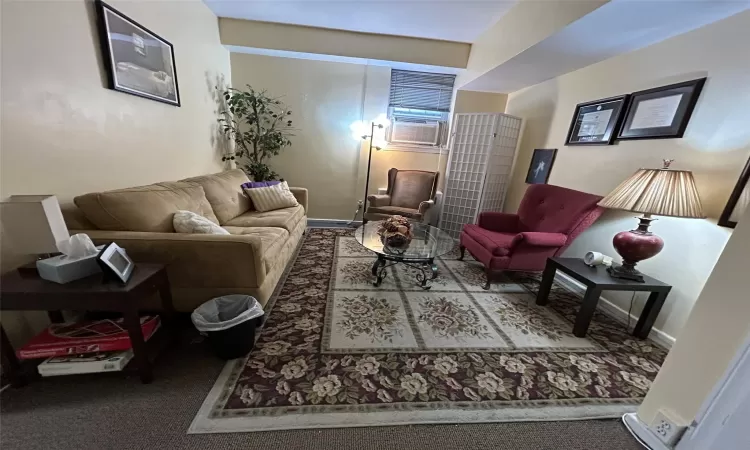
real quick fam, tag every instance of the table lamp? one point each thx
(664, 192)
(33, 224)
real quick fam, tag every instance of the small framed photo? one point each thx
(662, 112)
(596, 123)
(541, 165)
(137, 60)
(738, 201)
(115, 263)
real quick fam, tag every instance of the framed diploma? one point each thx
(739, 200)
(595, 123)
(662, 112)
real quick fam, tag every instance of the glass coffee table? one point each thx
(427, 243)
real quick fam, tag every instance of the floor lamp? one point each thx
(369, 163)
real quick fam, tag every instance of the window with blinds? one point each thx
(418, 107)
(421, 90)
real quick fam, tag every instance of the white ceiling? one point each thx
(619, 26)
(450, 20)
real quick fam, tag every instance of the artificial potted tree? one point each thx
(260, 127)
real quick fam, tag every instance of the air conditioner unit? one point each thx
(416, 132)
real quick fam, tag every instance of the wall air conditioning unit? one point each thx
(413, 131)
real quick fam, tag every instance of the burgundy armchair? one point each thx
(548, 220)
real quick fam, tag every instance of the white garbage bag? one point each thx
(225, 312)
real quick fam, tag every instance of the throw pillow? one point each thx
(257, 184)
(190, 222)
(272, 197)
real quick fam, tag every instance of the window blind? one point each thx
(421, 90)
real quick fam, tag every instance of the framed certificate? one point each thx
(595, 123)
(738, 201)
(662, 112)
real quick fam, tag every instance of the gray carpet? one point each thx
(116, 411)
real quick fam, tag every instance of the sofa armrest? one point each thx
(301, 195)
(379, 200)
(497, 221)
(539, 239)
(206, 260)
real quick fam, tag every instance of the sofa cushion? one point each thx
(286, 218)
(270, 198)
(272, 241)
(497, 243)
(144, 208)
(224, 193)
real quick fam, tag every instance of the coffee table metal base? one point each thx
(427, 269)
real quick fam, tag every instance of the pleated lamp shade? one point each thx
(663, 192)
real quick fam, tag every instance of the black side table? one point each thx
(597, 280)
(92, 294)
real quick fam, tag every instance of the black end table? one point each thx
(597, 280)
(31, 293)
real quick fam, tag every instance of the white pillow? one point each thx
(272, 197)
(190, 222)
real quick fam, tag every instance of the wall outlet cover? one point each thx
(666, 429)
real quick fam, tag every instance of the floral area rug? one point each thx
(335, 351)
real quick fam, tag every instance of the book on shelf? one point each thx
(88, 363)
(66, 339)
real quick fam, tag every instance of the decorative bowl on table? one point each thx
(395, 231)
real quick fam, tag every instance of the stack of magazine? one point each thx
(85, 347)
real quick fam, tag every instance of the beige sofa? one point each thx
(249, 261)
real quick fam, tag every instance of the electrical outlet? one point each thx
(359, 203)
(666, 429)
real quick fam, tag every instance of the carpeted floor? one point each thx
(112, 411)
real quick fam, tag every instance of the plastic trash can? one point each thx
(229, 324)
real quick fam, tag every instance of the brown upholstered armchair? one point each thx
(410, 193)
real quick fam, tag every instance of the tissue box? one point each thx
(63, 269)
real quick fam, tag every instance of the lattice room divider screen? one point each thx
(479, 167)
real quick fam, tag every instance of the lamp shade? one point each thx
(33, 224)
(663, 192)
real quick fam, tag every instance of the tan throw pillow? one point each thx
(272, 197)
(192, 223)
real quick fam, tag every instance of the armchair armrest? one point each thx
(379, 200)
(539, 239)
(425, 205)
(497, 221)
(207, 260)
(301, 195)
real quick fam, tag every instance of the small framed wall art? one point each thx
(137, 60)
(596, 123)
(662, 112)
(541, 165)
(739, 200)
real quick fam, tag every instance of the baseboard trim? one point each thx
(610, 309)
(333, 223)
(640, 431)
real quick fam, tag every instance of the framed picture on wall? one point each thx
(662, 112)
(739, 200)
(596, 123)
(137, 61)
(541, 165)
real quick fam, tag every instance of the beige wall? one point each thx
(715, 147)
(479, 102)
(716, 329)
(64, 133)
(325, 41)
(326, 99)
(527, 23)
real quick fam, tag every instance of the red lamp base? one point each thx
(635, 246)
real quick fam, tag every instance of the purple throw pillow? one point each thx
(257, 184)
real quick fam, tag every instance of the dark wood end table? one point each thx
(596, 279)
(20, 293)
